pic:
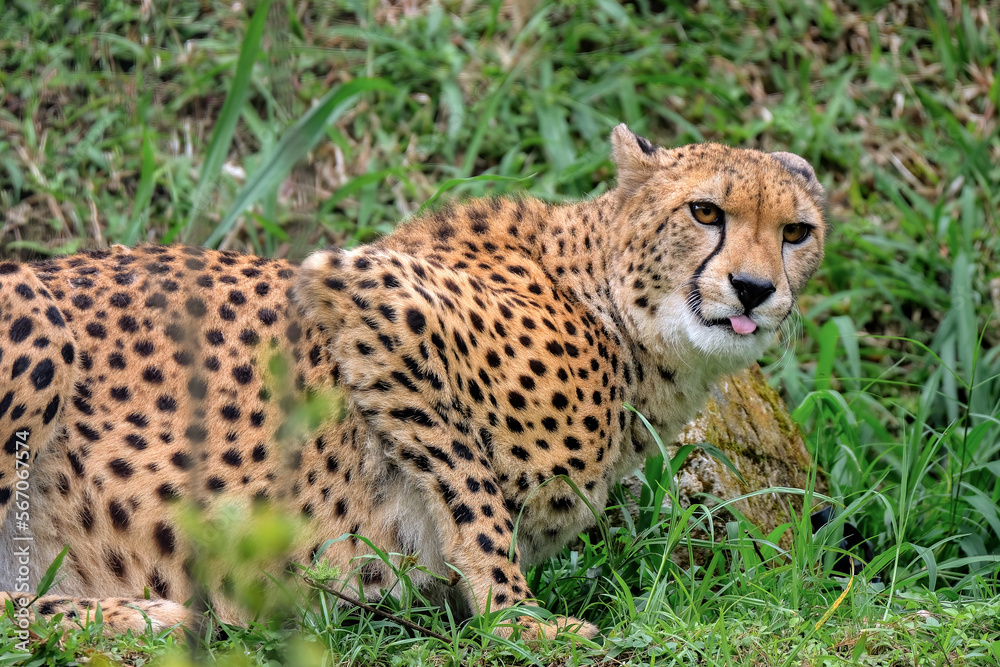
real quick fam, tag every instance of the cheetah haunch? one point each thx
(482, 350)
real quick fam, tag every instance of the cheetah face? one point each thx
(730, 237)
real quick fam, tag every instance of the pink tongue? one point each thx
(742, 324)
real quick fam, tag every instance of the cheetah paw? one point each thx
(532, 630)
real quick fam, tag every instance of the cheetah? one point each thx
(485, 355)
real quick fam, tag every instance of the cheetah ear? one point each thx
(634, 156)
(797, 166)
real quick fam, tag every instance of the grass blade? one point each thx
(144, 194)
(292, 147)
(45, 583)
(225, 126)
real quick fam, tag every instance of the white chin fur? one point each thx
(725, 349)
(718, 350)
(729, 350)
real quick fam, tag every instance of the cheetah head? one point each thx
(714, 244)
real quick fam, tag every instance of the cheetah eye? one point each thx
(706, 213)
(796, 233)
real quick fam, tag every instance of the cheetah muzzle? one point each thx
(480, 351)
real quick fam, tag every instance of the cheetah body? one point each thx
(484, 355)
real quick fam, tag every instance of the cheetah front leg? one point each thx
(474, 526)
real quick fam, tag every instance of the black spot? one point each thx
(164, 537)
(195, 307)
(267, 316)
(121, 393)
(168, 492)
(54, 317)
(20, 365)
(486, 544)
(230, 412)
(462, 514)
(115, 563)
(181, 460)
(128, 324)
(559, 401)
(415, 415)
(166, 404)
(42, 374)
(75, 463)
(120, 518)
(214, 337)
(196, 433)
(21, 329)
(137, 419)
(86, 518)
(644, 145)
(571, 443)
(121, 468)
(96, 330)
(243, 374)
(50, 410)
(461, 450)
(415, 321)
(82, 301)
(157, 301)
(249, 337)
(144, 348)
(136, 441)
(561, 504)
(158, 585)
(232, 457)
(120, 300)
(152, 375)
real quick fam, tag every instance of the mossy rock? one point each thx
(748, 421)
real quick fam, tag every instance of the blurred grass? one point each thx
(155, 121)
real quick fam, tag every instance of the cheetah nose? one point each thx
(750, 291)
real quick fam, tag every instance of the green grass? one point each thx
(192, 121)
